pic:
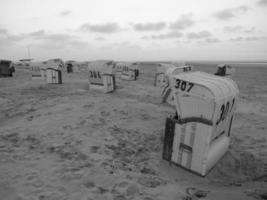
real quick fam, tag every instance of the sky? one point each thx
(134, 29)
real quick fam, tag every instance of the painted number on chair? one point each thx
(183, 85)
(95, 74)
(187, 69)
(224, 111)
(125, 68)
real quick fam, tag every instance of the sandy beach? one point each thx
(65, 142)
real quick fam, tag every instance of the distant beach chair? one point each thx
(225, 70)
(160, 76)
(38, 70)
(72, 66)
(50, 71)
(53, 75)
(129, 71)
(6, 68)
(101, 76)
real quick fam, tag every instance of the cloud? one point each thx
(65, 13)
(55, 40)
(207, 41)
(251, 38)
(232, 29)
(254, 38)
(76, 43)
(39, 33)
(42, 35)
(12, 38)
(185, 21)
(262, 2)
(100, 38)
(184, 42)
(4, 42)
(149, 26)
(100, 28)
(57, 37)
(250, 30)
(125, 45)
(229, 13)
(169, 35)
(199, 35)
(59, 44)
(212, 40)
(236, 39)
(8, 39)
(238, 28)
(3, 31)
(43, 39)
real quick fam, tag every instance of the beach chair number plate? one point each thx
(183, 85)
(95, 74)
(125, 69)
(36, 68)
(224, 111)
(96, 78)
(187, 69)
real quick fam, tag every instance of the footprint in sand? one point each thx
(9, 193)
(33, 179)
(151, 181)
(52, 195)
(194, 192)
(88, 105)
(145, 116)
(30, 118)
(100, 122)
(94, 149)
(125, 189)
(89, 184)
(104, 113)
(93, 188)
(82, 123)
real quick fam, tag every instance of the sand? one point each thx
(64, 142)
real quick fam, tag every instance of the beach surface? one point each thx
(65, 142)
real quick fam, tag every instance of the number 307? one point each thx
(183, 85)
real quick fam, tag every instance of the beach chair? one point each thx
(101, 76)
(198, 137)
(6, 68)
(53, 75)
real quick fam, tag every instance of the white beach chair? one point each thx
(200, 135)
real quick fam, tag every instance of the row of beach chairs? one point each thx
(198, 134)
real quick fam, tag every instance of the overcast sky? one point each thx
(134, 29)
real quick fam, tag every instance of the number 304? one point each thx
(225, 109)
(95, 74)
(183, 85)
